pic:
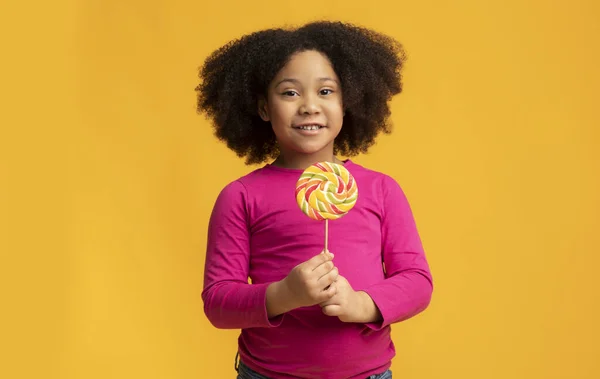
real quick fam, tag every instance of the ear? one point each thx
(263, 110)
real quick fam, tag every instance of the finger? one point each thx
(318, 260)
(332, 301)
(328, 293)
(314, 263)
(328, 277)
(323, 270)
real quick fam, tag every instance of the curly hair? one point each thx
(234, 77)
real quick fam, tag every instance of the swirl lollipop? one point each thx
(326, 191)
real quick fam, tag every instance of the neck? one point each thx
(303, 161)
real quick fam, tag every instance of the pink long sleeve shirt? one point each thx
(257, 231)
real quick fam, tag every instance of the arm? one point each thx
(278, 299)
(369, 311)
(230, 302)
(408, 286)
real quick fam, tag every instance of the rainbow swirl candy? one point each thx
(326, 191)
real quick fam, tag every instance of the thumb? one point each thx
(327, 253)
(319, 259)
(343, 282)
(332, 310)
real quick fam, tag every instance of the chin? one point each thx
(309, 150)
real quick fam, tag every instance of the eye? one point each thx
(326, 92)
(290, 93)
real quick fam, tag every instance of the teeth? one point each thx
(309, 127)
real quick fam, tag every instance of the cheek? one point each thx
(277, 120)
(282, 112)
(336, 112)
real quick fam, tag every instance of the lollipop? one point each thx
(326, 191)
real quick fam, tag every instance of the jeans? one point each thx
(244, 372)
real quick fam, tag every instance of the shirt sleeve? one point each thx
(406, 291)
(230, 302)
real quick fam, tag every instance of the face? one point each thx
(304, 106)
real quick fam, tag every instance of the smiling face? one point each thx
(304, 106)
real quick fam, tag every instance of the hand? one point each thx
(349, 305)
(307, 284)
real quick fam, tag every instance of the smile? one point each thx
(309, 127)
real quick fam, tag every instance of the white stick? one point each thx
(326, 233)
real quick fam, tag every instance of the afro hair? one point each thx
(237, 75)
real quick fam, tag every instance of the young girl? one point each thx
(299, 97)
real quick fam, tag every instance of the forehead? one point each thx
(307, 65)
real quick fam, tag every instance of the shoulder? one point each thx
(250, 183)
(382, 182)
(232, 200)
(253, 191)
(383, 190)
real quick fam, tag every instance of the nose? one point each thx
(309, 105)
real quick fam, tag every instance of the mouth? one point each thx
(309, 127)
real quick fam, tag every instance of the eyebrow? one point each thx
(296, 81)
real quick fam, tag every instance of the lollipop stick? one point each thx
(326, 238)
(326, 233)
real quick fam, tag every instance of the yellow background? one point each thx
(108, 177)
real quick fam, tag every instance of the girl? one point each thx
(299, 97)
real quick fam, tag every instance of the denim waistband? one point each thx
(245, 372)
